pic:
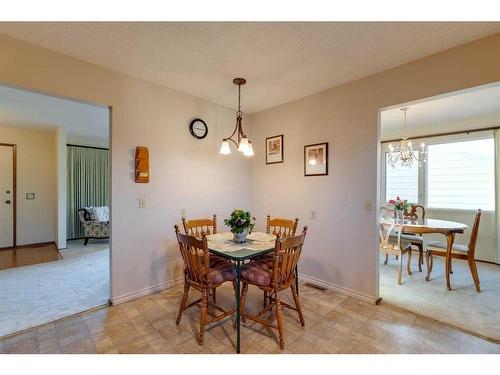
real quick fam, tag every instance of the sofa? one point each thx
(95, 222)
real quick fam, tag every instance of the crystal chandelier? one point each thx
(238, 137)
(403, 152)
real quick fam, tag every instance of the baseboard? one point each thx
(144, 292)
(338, 288)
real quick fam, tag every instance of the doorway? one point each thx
(7, 195)
(46, 273)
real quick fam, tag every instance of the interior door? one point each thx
(6, 196)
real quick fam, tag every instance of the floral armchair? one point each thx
(95, 222)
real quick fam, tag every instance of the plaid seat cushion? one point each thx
(259, 272)
(221, 270)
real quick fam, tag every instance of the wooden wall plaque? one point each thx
(141, 164)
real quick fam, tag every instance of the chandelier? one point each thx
(238, 137)
(403, 152)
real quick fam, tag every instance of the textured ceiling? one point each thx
(19, 108)
(470, 109)
(281, 61)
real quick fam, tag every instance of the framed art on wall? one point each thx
(316, 159)
(274, 149)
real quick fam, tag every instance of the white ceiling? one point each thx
(19, 108)
(281, 61)
(470, 109)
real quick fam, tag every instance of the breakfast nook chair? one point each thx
(391, 242)
(203, 274)
(465, 252)
(416, 212)
(274, 277)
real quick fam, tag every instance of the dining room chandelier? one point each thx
(238, 137)
(403, 152)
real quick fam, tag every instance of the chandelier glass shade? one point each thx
(238, 137)
(403, 153)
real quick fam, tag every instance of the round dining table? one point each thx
(444, 227)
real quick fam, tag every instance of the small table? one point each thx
(257, 244)
(445, 227)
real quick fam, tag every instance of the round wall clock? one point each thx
(198, 128)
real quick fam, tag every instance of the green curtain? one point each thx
(88, 183)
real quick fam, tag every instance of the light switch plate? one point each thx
(313, 214)
(30, 196)
(142, 203)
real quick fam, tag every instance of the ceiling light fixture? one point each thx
(403, 152)
(238, 137)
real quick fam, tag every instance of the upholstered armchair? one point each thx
(95, 222)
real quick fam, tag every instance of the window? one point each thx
(401, 181)
(461, 175)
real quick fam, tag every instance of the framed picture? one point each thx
(274, 149)
(316, 159)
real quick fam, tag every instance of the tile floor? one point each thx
(335, 323)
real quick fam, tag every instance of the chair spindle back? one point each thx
(196, 227)
(281, 227)
(416, 212)
(195, 256)
(285, 258)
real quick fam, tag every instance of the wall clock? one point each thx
(198, 128)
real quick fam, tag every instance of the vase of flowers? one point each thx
(400, 204)
(240, 223)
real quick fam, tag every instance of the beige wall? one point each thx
(185, 173)
(341, 249)
(36, 173)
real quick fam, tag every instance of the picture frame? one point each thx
(316, 159)
(274, 149)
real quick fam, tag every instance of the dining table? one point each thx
(257, 244)
(429, 226)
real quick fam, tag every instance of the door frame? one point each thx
(14, 190)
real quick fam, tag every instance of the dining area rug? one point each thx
(461, 307)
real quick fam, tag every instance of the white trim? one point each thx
(338, 288)
(146, 291)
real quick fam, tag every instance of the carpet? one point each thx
(41, 293)
(462, 307)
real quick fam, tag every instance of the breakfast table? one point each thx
(444, 227)
(257, 244)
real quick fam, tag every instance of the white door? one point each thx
(6, 196)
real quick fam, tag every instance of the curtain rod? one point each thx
(97, 148)
(449, 133)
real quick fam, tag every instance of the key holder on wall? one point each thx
(141, 164)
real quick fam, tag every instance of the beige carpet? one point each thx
(462, 307)
(37, 294)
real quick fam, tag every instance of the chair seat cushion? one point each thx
(410, 237)
(442, 246)
(221, 270)
(259, 272)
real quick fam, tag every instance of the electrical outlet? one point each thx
(313, 214)
(183, 212)
(368, 206)
(142, 203)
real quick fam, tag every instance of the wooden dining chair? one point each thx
(465, 252)
(274, 277)
(416, 212)
(281, 227)
(204, 275)
(391, 241)
(195, 227)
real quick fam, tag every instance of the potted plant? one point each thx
(400, 204)
(240, 223)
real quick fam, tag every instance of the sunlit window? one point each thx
(401, 181)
